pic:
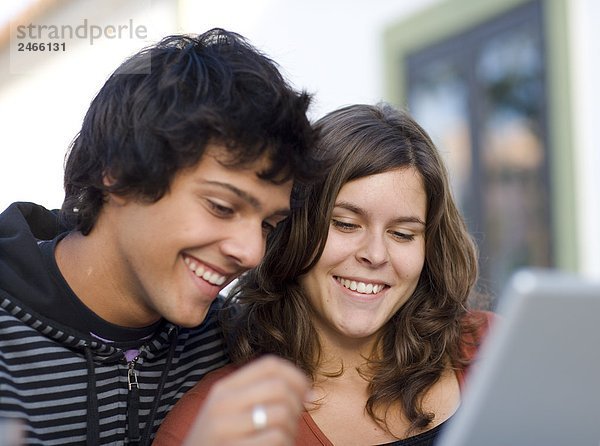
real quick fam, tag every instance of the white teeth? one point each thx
(361, 287)
(210, 276)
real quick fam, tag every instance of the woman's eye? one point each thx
(267, 227)
(343, 226)
(403, 236)
(219, 209)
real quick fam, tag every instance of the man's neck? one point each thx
(95, 274)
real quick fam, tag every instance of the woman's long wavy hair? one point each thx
(269, 312)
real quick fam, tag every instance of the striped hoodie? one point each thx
(67, 386)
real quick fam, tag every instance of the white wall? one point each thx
(585, 72)
(41, 107)
(330, 47)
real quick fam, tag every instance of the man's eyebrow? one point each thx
(248, 198)
(360, 211)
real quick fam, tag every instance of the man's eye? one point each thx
(219, 209)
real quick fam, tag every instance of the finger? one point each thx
(237, 428)
(270, 390)
(268, 366)
(271, 438)
(280, 417)
(227, 413)
(282, 406)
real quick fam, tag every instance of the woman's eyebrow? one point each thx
(350, 207)
(360, 211)
(409, 219)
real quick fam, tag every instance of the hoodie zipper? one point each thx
(133, 403)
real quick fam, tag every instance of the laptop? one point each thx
(537, 379)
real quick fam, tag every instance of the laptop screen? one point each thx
(537, 381)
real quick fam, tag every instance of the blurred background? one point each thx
(507, 89)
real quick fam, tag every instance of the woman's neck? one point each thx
(339, 349)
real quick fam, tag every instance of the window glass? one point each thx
(481, 96)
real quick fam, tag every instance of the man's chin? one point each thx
(190, 320)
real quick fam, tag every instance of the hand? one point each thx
(260, 404)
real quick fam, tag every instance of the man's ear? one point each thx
(108, 181)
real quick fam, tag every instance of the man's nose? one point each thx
(245, 244)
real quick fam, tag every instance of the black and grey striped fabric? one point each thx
(45, 376)
(67, 386)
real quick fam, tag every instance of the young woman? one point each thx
(365, 288)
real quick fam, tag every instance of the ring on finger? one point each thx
(259, 417)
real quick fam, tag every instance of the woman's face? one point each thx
(373, 257)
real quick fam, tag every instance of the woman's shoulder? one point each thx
(476, 323)
(475, 327)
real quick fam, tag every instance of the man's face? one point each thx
(175, 255)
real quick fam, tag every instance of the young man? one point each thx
(183, 166)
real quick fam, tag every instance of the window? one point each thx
(481, 94)
(491, 82)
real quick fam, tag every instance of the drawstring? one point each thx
(93, 430)
(163, 380)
